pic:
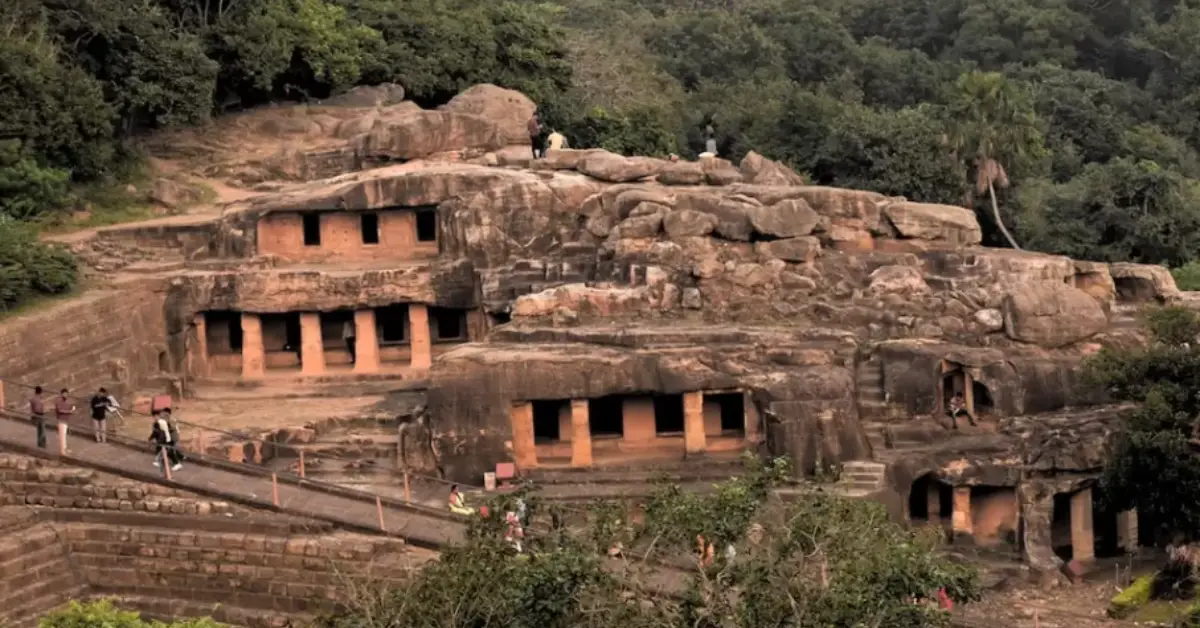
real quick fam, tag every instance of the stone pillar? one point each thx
(752, 420)
(254, 360)
(523, 444)
(366, 342)
(1127, 530)
(1083, 544)
(581, 434)
(564, 422)
(960, 520)
(968, 393)
(312, 348)
(637, 420)
(418, 329)
(933, 502)
(694, 441)
(199, 356)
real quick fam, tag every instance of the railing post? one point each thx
(166, 463)
(407, 489)
(301, 463)
(379, 509)
(62, 438)
(275, 489)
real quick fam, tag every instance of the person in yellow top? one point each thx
(556, 141)
(457, 504)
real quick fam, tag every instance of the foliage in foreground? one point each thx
(1153, 466)
(820, 561)
(29, 268)
(103, 614)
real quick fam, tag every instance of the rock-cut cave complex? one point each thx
(586, 318)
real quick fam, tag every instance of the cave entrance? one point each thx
(980, 399)
(668, 415)
(930, 501)
(548, 421)
(606, 417)
(995, 514)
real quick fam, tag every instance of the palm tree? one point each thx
(992, 119)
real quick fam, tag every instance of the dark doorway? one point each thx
(426, 225)
(223, 332)
(733, 411)
(606, 416)
(392, 322)
(546, 421)
(919, 501)
(312, 229)
(1107, 544)
(981, 398)
(448, 324)
(369, 223)
(668, 414)
(1060, 527)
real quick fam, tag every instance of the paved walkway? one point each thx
(423, 527)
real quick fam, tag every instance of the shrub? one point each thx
(103, 614)
(29, 268)
(1133, 597)
(28, 190)
(1173, 325)
(1187, 277)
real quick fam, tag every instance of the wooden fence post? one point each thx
(407, 489)
(275, 488)
(379, 509)
(301, 463)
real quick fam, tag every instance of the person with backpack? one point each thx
(165, 438)
(535, 135)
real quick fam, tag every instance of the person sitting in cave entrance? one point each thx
(457, 504)
(959, 405)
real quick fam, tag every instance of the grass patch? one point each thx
(40, 301)
(1162, 611)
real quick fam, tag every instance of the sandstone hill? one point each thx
(590, 311)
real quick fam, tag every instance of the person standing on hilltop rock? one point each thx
(37, 410)
(348, 336)
(710, 140)
(556, 141)
(535, 135)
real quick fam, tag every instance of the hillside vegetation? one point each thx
(1071, 122)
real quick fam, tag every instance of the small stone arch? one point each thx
(929, 501)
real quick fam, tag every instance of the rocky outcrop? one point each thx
(759, 170)
(381, 95)
(508, 109)
(613, 168)
(926, 221)
(423, 133)
(1143, 282)
(788, 218)
(1052, 314)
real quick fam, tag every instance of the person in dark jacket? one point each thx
(535, 135)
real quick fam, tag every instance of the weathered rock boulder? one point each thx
(838, 203)
(927, 221)
(380, 95)
(897, 280)
(719, 171)
(786, 219)
(759, 170)
(586, 300)
(684, 223)
(564, 158)
(682, 173)
(424, 133)
(1143, 282)
(1051, 314)
(614, 168)
(1095, 279)
(803, 249)
(508, 109)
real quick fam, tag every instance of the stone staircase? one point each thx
(861, 478)
(872, 401)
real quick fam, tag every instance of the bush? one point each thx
(103, 614)
(28, 190)
(29, 268)
(1133, 597)
(1187, 277)
(1173, 325)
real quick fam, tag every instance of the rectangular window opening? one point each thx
(449, 324)
(312, 229)
(426, 225)
(370, 228)
(392, 321)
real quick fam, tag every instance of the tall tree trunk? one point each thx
(999, 221)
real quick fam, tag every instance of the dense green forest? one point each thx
(1078, 117)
